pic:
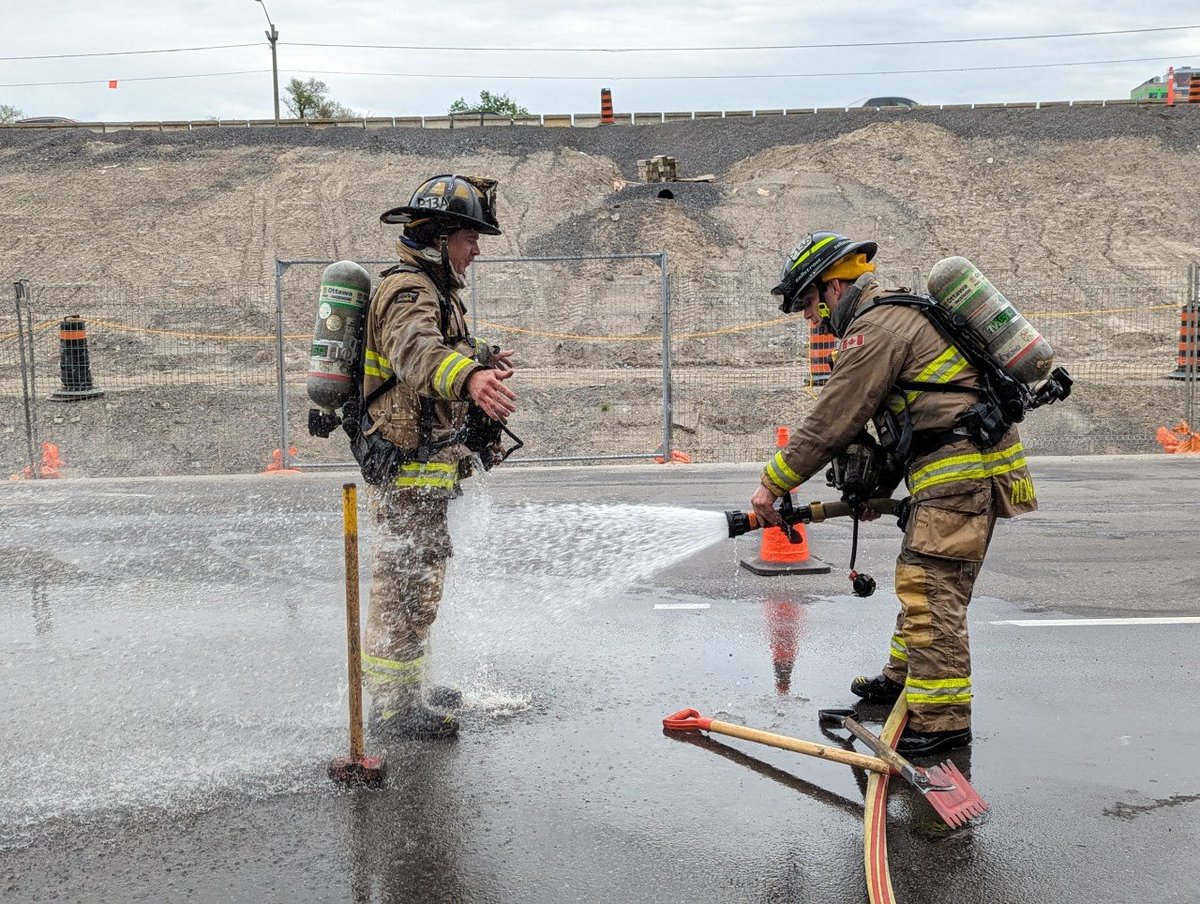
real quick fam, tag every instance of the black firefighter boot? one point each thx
(914, 743)
(443, 697)
(415, 722)
(880, 689)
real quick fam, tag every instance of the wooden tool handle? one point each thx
(795, 745)
(353, 651)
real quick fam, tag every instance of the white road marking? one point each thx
(681, 605)
(1086, 622)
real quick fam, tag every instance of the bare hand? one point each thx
(503, 359)
(763, 503)
(868, 514)
(487, 390)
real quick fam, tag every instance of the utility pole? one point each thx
(273, 38)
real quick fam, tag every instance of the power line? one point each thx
(72, 56)
(667, 78)
(1075, 34)
(818, 46)
(147, 78)
(611, 78)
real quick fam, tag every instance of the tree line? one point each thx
(310, 99)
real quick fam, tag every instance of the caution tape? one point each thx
(550, 334)
(180, 334)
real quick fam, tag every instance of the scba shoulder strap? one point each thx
(1002, 401)
(379, 456)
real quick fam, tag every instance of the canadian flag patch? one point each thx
(852, 342)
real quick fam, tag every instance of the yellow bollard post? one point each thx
(356, 768)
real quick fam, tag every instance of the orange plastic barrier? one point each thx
(276, 465)
(1179, 439)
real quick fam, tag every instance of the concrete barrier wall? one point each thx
(543, 120)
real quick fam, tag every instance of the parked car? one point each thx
(890, 102)
(44, 121)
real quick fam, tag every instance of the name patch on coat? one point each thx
(852, 342)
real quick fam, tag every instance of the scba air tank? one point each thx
(1013, 342)
(337, 336)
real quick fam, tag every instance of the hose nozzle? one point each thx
(741, 522)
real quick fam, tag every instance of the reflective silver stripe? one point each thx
(451, 367)
(393, 671)
(899, 648)
(938, 691)
(781, 473)
(376, 365)
(967, 466)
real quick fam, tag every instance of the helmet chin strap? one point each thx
(822, 308)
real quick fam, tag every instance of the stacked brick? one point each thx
(658, 169)
(1193, 91)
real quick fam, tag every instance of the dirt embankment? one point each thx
(1044, 198)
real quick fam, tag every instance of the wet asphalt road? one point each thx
(173, 665)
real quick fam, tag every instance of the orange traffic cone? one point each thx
(52, 463)
(49, 467)
(779, 555)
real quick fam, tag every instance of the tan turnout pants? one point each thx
(408, 571)
(944, 546)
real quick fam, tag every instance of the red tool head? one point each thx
(687, 720)
(366, 770)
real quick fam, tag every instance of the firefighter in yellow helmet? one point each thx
(894, 369)
(421, 368)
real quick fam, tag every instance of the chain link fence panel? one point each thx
(191, 380)
(587, 336)
(740, 368)
(182, 380)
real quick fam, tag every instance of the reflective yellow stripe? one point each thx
(393, 671)
(942, 369)
(938, 691)
(805, 256)
(967, 466)
(430, 474)
(447, 483)
(376, 365)
(899, 648)
(781, 474)
(451, 367)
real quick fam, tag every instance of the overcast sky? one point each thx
(394, 82)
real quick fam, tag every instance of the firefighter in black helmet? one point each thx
(422, 368)
(896, 369)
